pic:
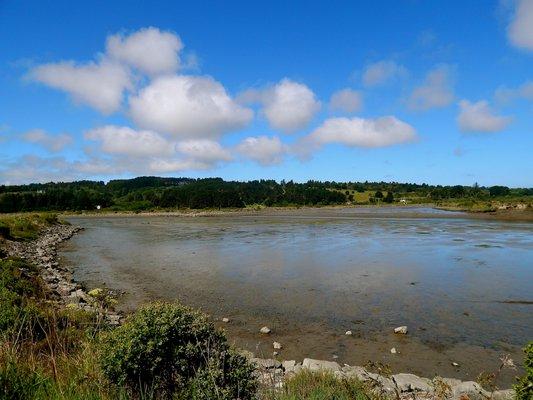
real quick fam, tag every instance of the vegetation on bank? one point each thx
(151, 193)
(25, 226)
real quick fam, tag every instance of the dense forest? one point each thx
(145, 193)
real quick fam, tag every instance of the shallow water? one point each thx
(313, 274)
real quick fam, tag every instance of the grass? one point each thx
(307, 385)
(25, 226)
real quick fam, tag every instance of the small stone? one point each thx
(455, 364)
(349, 333)
(401, 330)
(275, 353)
(226, 320)
(277, 345)
(265, 330)
(393, 350)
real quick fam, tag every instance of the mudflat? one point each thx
(461, 284)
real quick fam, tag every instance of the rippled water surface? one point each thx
(449, 278)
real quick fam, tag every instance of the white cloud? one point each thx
(149, 50)
(204, 150)
(53, 143)
(382, 71)
(478, 117)
(358, 132)
(435, 92)
(127, 141)
(288, 106)
(98, 85)
(187, 107)
(346, 100)
(263, 149)
(524, 91)
(164, 166)
(520, 31)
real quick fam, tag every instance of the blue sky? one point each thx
(416, 91)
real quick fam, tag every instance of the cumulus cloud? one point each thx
(126, 141)
(288, 106)
(204, 151)
(435, 92)
(346, 100)
(358, 132)
(520, 30)
(187, 107)
(149, 50)
(53, 143)
(382, 71)
(478, 117)
(263, 149)
(99, 85)
(524, 91)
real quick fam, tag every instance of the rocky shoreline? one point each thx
(273, 373)
(42, 252)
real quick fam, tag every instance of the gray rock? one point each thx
(412, 383)
(266, 363)
(277, 345)
(317, 365)
(355, 372)
(508, 394)
(288, 365)
(470, 388)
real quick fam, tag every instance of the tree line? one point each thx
(144, 193)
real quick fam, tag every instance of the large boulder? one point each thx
(317, 365)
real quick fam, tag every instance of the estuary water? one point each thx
(463, 286)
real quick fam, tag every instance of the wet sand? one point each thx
(396, 211)
(460, 284)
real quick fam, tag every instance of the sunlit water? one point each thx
(448, 279)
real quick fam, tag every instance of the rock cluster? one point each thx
(42, 252)
(273, 373)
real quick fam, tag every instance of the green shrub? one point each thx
(524, 387)
(173, 350)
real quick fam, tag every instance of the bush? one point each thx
(169, 349)
(524, 387)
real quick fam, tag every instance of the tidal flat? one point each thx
(462, 285)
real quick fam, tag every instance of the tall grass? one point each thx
(25, 226)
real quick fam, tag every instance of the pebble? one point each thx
(455, 364)
(226, 320)
(349, 333)
(401, 330)
(393, 350)
(265, 330)
(277, 345)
